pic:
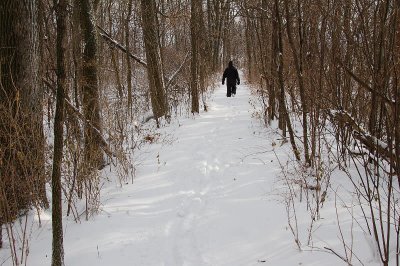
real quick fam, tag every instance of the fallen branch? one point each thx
(114, 43)
(177, 71)
(72, 109)
(373, 144)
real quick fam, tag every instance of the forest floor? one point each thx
(208, 194)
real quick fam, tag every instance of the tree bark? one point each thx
(298, 62)
(249, 49)
(278, 69)
(128, 60)
(194, 30)
(58, 250)
(283, 113)
(396, 92)
(22, 180)
(91, 94)
(154, 62)
(217, 20)
(272, 90)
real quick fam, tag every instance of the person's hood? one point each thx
(230, 64)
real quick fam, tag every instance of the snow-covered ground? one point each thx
(211, 197)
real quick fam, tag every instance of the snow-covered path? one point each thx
(221, 210)
(208, 202)
(206, 199)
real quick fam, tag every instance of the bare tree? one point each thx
(128, 60)
(298, 62)
(196, 11)
(153, 55)
(58, 250)
(284, 119)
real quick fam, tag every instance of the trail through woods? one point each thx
(207, 198)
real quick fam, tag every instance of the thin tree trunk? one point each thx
(77, 137)
(117, 76)
(396, 110)
(299, 71)
(249, 49)
(216, 33)
(154, 62)
(272, 90)
(194, 29)
(267, 61)
(58, 250)
(204, 65)
(210, 32)
(128, 60)
(283, 113)
(278, 67)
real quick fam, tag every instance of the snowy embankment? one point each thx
(210, 197)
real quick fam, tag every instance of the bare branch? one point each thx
(373, 144)
(365, 85)
(72, 109)
(171, 79)
(114, 43)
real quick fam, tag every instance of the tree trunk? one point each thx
(396, 111)
(249, 49)
(204, 65)
(283, 113)
(58, 250)
(120, 93)
(227, 34)
(128, 60)
(194, 29)
(278, 68)
(272, 88)
(218, 7)
(153, 55)
(298, 62)
(22, 181)
(91, 95)
(267, 61)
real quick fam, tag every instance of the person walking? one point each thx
(232, 78)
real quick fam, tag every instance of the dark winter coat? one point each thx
(231, 74)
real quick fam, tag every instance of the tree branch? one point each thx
(365, 85)
(114, 43)
(177, 71)
(72, 109)
(373, 144)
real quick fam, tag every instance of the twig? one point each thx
(341, 234)
(338, 255)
